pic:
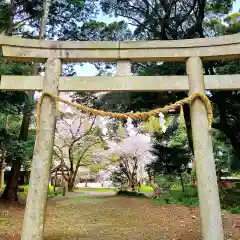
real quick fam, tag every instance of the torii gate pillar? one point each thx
(210, 211)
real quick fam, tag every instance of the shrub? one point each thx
(23, 190)
(237, 185)
(189, 197)
(190, 201)
(235, 210)
(176, 187)
(230, 198)
(190, 191)
(131, 194)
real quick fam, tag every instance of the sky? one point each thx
(89, 70)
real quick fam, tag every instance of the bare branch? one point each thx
(21, 22)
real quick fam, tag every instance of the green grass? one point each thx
(146, 188)
(86, 197)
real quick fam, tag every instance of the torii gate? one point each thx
(191, 51)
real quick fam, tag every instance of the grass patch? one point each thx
(146, 188)
(87, 197)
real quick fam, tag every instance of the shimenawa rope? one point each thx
(138, 115)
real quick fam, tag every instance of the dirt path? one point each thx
(113, 218)
(70, 195)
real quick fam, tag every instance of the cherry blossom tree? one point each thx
(133, 151)
(76, 139)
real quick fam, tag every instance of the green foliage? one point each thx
(230, 198)
(4, 16)
(235, 175)
(193, 174)
(121, 131)
(189, 197)
(119, 179)
(179, 136)
(234, 210)
(14, 148)
(219, 6)
(95, 168)
(169, 159)
(12, 102)
(66, 18)
(113, 159)
(100, 31)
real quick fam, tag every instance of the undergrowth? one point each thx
(131, 194)
(23, 191)
(230, 198)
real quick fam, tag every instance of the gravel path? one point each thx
(115, 218)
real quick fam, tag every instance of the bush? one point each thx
(130, 194)
(235, 210)
(190, 191)
(191, 201)
(189, 197)
(21, 189)
(119, 179)
(237, 185)
(230, 198)
(176, 187)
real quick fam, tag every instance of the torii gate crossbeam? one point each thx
(191, 51)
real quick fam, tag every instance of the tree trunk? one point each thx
(10, 191)
(46, 7)
(186, 112)
(156, 189)
(1, 175)
(131, 184)
(55, 182)
(9, 30)
(182, 184)
(86, 183)
(70, 186)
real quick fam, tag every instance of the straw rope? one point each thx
(138, 115)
